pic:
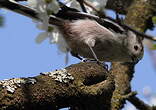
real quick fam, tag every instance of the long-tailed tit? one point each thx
(91, 40)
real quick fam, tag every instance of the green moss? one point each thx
(154, 19)
(1, 20)
(139, 13)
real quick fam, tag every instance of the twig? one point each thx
(20, 0)
(87, 3)
(139, 104)
(81, 2)
(29, 12)
(123, 25)
(18, 8)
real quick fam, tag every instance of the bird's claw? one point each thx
(105, 66)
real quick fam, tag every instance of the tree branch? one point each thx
(119, 6)
(92, 85)
(29, 12)
(140, 105)
(18, 8)
(123, 74)
(139, 12)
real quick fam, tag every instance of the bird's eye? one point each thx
(136, 47)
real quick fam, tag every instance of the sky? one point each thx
(20, 56)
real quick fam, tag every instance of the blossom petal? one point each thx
(41, 37)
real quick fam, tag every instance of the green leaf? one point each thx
(1, 20)
(48, 1)
(154, 19)
(50, 28)
(153, 47)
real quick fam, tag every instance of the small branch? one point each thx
(18, 8)
(87, 3)
(140, 105)
(81, 2)
(79, 14)
(26, 11)
(131, 94)
(123, 25)
(20, 0)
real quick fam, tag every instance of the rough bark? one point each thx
(137, 16)
(91, 89)
(123, 74)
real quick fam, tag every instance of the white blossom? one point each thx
(59, 40)
(75, 4)
(41, 37)
(54, 6)
(54, 36)
(32, 3)
(43, 6)
(99, 3)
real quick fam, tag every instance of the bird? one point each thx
(90, 39)
(100, 40)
